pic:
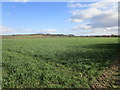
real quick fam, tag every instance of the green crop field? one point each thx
(72, 62)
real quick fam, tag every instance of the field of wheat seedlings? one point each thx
(72, 62)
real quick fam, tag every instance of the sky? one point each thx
(78, 18)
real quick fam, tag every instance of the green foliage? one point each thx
(56, 62)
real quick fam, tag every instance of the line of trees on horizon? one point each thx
(68, 35)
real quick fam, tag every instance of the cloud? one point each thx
(24, 31)
(94, 10)
(5, 30)
(48, 31)
(101, 31)
(77, 5)
(100, 4)
(100, 17)
(98, 20)
(108, 19)
(72, 19)
(82, 15)
(82, 26)
(21, 0)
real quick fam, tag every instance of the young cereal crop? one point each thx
(56, 62)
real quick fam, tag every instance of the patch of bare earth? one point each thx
(110, 77)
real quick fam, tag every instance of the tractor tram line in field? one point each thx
(110, 77)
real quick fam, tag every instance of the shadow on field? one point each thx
(101, 55)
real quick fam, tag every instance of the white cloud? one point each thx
(5, 30)
(75, 20)
(82, 26)
(100, 17)
(101, 31)
(100, 4)
(82, 15)
(48, 31)
(23, 30)
(107, 19)
(21, 0)
(94, 11)
(77, 5)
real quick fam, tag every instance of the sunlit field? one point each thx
(71, 62)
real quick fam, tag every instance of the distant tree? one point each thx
(71, 35)
(13, 35)
(112, 35)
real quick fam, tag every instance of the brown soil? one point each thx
(110, 77)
